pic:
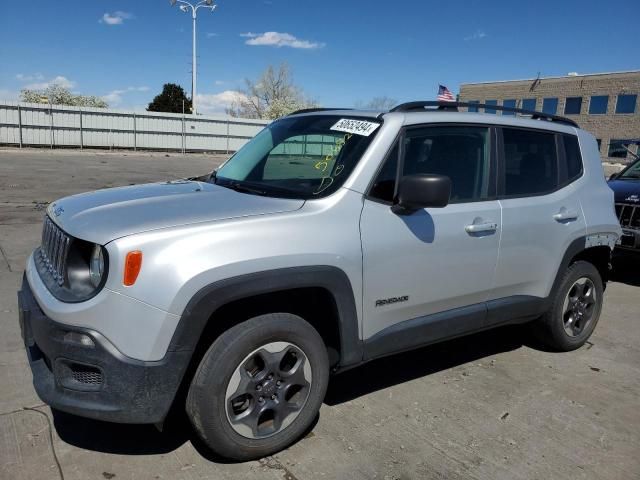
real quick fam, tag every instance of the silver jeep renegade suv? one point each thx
(333, 238)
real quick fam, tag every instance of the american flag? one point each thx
(444, 95)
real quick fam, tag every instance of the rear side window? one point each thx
(530, 162)
(573, 157)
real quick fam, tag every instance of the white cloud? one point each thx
(59, 80)
(220, 82)
(478, 35)
(29, 77)
(277, 39)
(114, 97)
(115, 18)
(9, 95)
(217, 102)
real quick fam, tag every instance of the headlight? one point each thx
(96, 266)
(87, 269)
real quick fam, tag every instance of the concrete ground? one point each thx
(489, 406)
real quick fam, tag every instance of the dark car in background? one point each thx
(626, 188)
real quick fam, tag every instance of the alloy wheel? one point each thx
(268, 390)
(579, 306)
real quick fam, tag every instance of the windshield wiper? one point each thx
(243, 188)
(258, 188)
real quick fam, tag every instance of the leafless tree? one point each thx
(273, 95)
(378, 103)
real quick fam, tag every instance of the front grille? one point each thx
(54, 250)
(628, 215)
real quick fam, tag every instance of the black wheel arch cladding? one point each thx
(211, 298)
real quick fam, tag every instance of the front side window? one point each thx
(573, 106)
(529, 104)
(300, 157)
(626, 103)
(460, 153)
(598, 104)
(531, 164)
(617, 148)
(488, 104)
(511, 103)
(633, 172)
(550, 106)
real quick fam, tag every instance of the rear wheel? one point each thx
(259, 386)
(575, 309)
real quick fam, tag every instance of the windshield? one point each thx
(632, 171)
(301, 157)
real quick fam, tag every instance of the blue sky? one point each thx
(341, 52)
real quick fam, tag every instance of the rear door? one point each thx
(541, 211)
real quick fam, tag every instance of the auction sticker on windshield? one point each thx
(357, 127)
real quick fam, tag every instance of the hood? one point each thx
(626, 191)
(105, 215)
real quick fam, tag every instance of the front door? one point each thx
(436, 260)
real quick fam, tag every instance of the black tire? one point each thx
(206, 400)
(550, 328)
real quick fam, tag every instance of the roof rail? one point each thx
(316, 109)
(453, 107)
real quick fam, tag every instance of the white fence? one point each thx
(32, 124)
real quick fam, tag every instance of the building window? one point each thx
(598, 105)
(509, 104)
(573, 106)
(626, 103)
(617, 149)
(529, 104)
(550, 106)
(490, 102)
(473, 108)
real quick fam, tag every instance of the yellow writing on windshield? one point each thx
(323, 164)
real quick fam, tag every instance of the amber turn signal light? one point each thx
(132, 265)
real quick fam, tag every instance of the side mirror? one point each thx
(613, 176)
(416, 192)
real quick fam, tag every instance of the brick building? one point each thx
(605, 104)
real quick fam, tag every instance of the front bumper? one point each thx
(629, 240)
(95, 381)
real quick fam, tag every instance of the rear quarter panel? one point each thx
(596, 198)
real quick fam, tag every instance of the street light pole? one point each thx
(185, 7)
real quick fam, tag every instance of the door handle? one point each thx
(481, 227)
(565, 215)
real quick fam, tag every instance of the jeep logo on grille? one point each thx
(388, 301)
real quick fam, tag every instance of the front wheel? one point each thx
(259, 386)
(575, 309)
